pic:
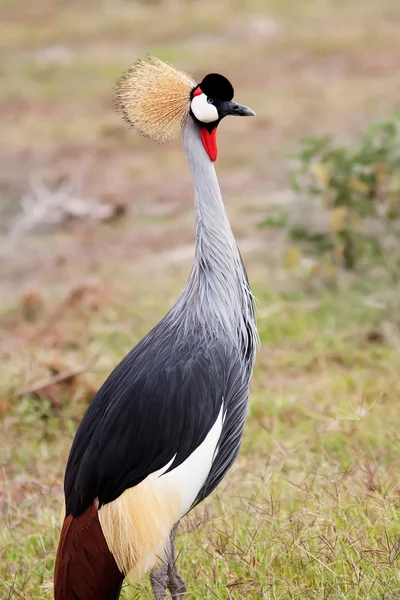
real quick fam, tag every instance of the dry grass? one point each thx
(310, 509)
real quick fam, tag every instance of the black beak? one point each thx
(233, 108)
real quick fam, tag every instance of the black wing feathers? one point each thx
(235, 404)
(159, 403)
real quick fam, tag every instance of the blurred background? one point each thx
(96, 241)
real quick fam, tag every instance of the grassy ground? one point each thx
(311, 508)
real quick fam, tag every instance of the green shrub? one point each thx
(355, 184)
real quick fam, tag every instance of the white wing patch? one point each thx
(202, 110)
(191, 475)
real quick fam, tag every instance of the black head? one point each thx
(217, 86)
(211, 101)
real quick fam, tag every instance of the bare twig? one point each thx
(43, 206)
(62, 376)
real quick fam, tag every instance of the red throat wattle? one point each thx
(210, 142)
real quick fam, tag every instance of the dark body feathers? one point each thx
(159, 402)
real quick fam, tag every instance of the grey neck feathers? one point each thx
(217, 294)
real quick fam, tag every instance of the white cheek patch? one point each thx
(203, 111)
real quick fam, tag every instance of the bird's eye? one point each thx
(210, 100)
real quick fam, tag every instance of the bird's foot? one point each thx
(167, 576)
(176, 585)
(159, 582)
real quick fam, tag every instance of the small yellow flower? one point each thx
(321, 174)
(292, 257)
(338, 218)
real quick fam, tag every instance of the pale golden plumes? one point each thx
(154, 97)
(138, 523)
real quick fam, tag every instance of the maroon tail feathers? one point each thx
(85, 568)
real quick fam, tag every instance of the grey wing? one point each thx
(236, 405)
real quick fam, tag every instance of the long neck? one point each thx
(217, 290)
(215, 245)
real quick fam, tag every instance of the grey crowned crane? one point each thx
(166, 425)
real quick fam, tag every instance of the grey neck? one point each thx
(217, 291)
(215, 244)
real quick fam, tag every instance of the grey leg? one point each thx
(176, 585)
(159, 581)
